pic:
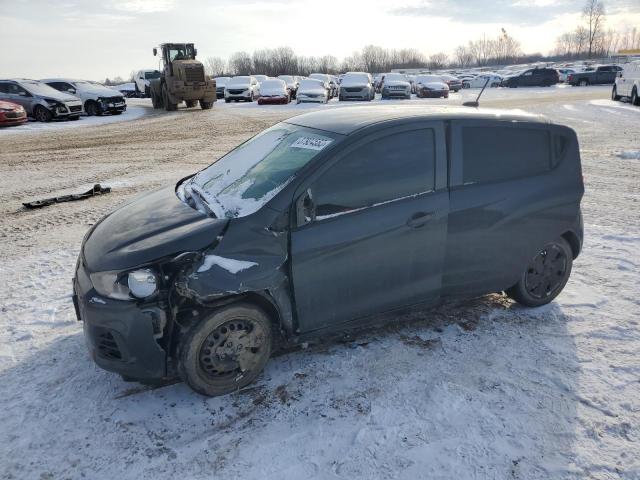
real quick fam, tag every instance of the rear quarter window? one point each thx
(496, 153)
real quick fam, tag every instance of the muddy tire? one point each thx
(226, 351)
(156, 101)
(205, 105)
(169, 107)
(545, 276)
(191, 103)
(41, 114)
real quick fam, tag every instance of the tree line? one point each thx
(591, 39)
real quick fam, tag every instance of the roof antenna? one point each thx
(476, 102)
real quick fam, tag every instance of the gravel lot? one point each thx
(479, 389)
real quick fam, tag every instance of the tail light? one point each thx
(570, 77)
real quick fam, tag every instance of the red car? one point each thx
(11, 114)
(273, 92)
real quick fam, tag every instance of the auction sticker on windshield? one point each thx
(311, 143)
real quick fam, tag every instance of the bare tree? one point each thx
(240, 64)
(284, 61)
(215, 66)
(463, 55)
(438, 60)
(594, 14)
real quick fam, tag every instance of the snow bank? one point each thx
(628, 154)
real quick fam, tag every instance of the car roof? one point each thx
(347, 120)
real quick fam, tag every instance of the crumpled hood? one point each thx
(61, 96)
(102, 91)
(154, 225)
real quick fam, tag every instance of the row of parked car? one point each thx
(56, 98)
(321, 87)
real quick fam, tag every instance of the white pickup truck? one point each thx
(142, 79)
(627, 83)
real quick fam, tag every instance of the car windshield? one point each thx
(395, 77)
(249, 176)
(286, 78)
(239, 81)
(310, 84)
(38, 88)
(221, 81)
(273, 85)
(151, 75)
(429, 79)
(361, 78)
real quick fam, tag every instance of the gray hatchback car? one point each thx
(41, 101)
(328, 221)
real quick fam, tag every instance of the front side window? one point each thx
(386, 169)
(499, 153)
(246, 178)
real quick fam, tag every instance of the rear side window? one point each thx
(389, 168)
(500, 153)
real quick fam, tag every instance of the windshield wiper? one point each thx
(201, 198)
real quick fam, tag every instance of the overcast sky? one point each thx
(94, 39)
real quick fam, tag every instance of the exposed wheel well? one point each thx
(573, 241)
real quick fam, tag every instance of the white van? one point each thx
(627, 83)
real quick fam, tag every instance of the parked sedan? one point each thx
(431, 86)
(311, 90)
(97, 99)
(454, 83)
(40, 101)
(11, 114)
(395, 85)
(243, 88)
(273, 92)
(357, 86)
(490, 79)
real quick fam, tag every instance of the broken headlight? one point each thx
(122, 286)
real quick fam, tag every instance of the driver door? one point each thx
(371, 228)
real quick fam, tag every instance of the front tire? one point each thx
(226, 351)
(191, 103)
(545, 276)
(91, 108)
(205, 105)
(169, 107)
(41, 114)
(614, 94)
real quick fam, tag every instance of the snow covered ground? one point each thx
(481, 389)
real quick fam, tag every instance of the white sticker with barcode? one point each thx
(311, 143)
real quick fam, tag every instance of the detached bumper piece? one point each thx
(96, 190)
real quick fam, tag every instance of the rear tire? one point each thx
(156, 101)
(635, 100)
(41, 114)
(205, 105)
(583, 83)
(226, 351)
(545, 276)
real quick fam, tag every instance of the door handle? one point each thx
(419, 219)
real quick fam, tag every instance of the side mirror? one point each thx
(305, 209)
(71, 90)
(155, 51)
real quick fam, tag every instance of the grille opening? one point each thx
(108, 347)
(194, 74)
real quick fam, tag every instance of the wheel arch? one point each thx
(573, 241)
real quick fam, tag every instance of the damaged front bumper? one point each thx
(121, 336)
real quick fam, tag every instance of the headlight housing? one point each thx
(140, 283)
